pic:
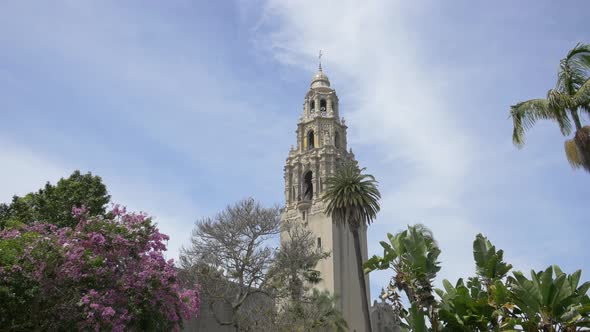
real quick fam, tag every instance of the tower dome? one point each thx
(320, 80)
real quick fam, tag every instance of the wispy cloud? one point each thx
(416, 122)
(393, 104)
(185, 107)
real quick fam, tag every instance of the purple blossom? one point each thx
(113, 265)
(108, 312)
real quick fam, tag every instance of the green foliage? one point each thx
(293, 273)
(317, 313)
(469, 307)
(564, 104)
(489, 263)
(18, 293)
(551, 298)
(490, 301)
(54, 203)
(413, 256)
(351, 196)
(415, 319)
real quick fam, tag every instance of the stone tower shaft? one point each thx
(321, 137)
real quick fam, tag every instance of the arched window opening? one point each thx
(310, 140)
(337, 140)
(319, 242)
(312, 106)
(307, 186)
(322, 105)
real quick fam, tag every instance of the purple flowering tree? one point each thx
(107, 273)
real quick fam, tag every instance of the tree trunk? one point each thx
(433, 318)
(361, 276)
(582, 141)
(576, 118)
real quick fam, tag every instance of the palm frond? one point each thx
(582, 96)
(573, 69)
(351, 196)
(526, 114)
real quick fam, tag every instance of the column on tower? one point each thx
(317, 102)
(315, 178)
(296, 183)
(287, 186)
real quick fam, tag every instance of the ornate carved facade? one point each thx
(321, 147)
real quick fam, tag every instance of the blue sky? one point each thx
(183, 107)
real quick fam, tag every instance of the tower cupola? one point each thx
(320, 80)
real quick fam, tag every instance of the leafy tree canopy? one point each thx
(54, 203)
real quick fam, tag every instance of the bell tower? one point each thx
(321, 147)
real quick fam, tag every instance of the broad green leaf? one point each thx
(416, 319)
(583, 289)
(574, 279)
(449, 288)
(546, 286)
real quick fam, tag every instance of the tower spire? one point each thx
(320, 60)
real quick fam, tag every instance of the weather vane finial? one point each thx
(320, 59)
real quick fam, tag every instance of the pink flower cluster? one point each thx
(113, 267)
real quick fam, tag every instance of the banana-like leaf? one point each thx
(546, 286)
(583, 289)
(375, 263)
(416, 319)
(574, 279)
(449, 288)
(489, 263)
(501, 294)
(526, 294)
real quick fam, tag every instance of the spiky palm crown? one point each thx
(351, 196)
(564, 104)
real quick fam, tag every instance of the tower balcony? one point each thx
(304, 205)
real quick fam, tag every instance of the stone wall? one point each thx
(382, 319)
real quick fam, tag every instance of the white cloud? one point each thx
(24, 171)
(438, 143)
(393, 104)
(407, 121)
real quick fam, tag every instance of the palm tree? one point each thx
(351, 198)
(564, 104)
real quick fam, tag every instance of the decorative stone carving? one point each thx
(305, 174)
(327, 138)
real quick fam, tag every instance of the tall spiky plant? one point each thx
(564, 104)
(352, 198)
